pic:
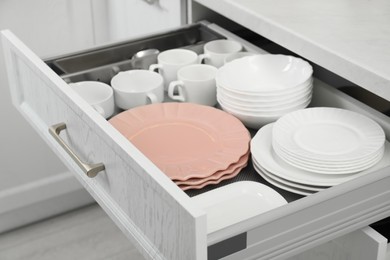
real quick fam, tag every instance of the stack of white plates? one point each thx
(259, 89)
(312, 149)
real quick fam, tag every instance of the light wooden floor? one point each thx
(86, 234)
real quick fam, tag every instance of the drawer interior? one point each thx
(102, 64)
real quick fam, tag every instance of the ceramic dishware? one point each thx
(185, 140)
(135, 88)
(259, 89)
(237, 55)
(98, 94)
(195, 84)
(216, 51)
(260, 169)
(264, 73)
(281, 185)
(232, 171)
(328, 140)
(261, 109)
(236, 202)
(170, 61)
(265, 157)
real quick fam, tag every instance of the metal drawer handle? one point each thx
(91, 170)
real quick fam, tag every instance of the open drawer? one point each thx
(154, 213)
(361, 244)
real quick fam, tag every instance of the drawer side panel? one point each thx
(143, 202)
(361, 244)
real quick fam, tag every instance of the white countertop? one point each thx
(348, 37)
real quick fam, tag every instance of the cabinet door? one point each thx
(135, 18)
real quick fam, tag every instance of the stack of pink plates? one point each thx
(312, 149)
(193, 145)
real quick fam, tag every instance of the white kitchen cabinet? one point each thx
(40, 186)
(135, 18)
(151, 210)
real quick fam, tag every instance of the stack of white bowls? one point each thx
(259, 89)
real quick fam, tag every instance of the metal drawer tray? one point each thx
(150, 209)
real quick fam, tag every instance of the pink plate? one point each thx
(185, 140)
(217, 175)
(204, 184)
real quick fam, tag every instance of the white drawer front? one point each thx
(145, 204)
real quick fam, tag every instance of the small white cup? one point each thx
(135, 88)
(216, 51)
(170, 61)
(195, 84)
(98, 94)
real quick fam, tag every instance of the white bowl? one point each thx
(237, 55)
(274, 95)
(260, 108)
(254, 122)
(264, 103)
(264, 73)
(276, 111)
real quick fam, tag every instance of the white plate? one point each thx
(236, 202)
(328, 135)
(334, 169)
(325, 164)
(283, 186)
(308, 188)
(262, 151)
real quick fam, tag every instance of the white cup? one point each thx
(195, 84)
(170, 61)
(216, 51)
(98, 94)
(135, 88)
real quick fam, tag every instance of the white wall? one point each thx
(48, 27)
